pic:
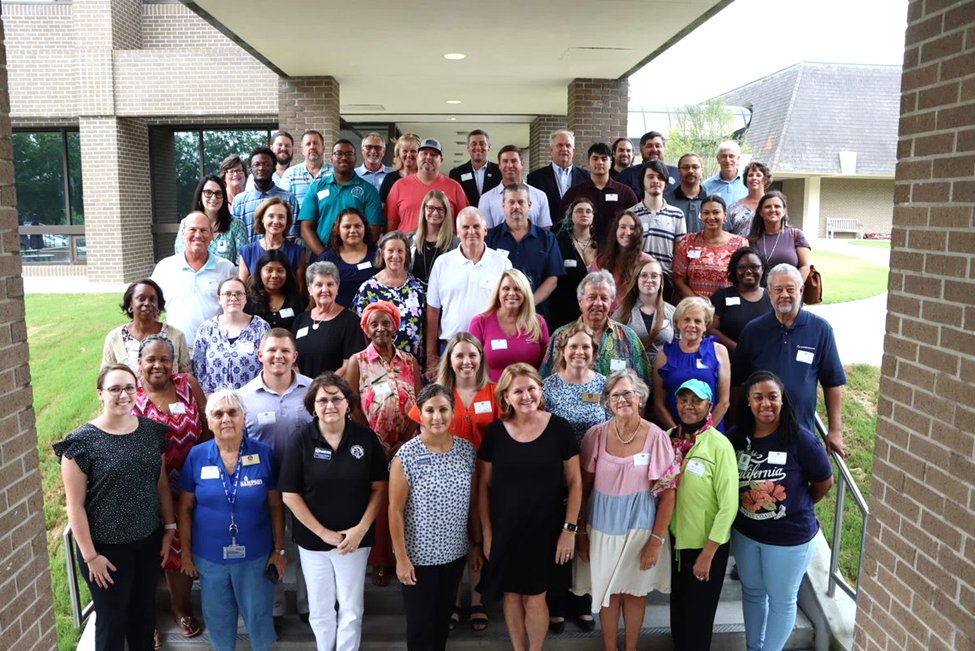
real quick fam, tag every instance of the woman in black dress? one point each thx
(273, 292)
(578, 245)
(528, 458)
(745, 300)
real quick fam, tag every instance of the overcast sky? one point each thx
(753, 38)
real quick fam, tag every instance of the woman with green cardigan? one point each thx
(707, 501)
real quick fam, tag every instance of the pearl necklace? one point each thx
(616, 428)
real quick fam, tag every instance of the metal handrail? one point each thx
(79, 613)
(844, 483)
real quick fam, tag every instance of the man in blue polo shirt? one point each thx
(531, 250)
(727, 183)
(799, 347)
(329, 196)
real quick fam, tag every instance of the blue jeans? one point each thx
(770, 580)
(229, 589)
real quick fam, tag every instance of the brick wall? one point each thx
(26, 611)
(917, 588)
(174, 26)
(42, 59)
(309, 103)
(538, 134)
(597, 112)
(869, 200)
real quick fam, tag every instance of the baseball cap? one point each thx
(698, 388)
(431, 143)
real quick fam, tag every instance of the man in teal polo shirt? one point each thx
(329, 196)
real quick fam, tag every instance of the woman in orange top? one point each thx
(463, 370)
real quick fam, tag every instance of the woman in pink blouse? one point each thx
(701, 259)
(509, 329)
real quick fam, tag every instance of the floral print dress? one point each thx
(387, 391)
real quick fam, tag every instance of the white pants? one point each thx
(332, 577)
(301, 592)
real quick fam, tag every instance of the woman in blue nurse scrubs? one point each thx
(231, 522)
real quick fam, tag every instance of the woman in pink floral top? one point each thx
(388, 380)
(701, 259)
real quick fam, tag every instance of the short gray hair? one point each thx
(373, 134)
(160, 337)
(316, 269)
(729, 145)
(552, 136)
(785, 268)
(601, 277)
(638, 385)
(470, 210)
(228, 394)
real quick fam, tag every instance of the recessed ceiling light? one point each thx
(453, 101)
(453, 119)
(455, 56)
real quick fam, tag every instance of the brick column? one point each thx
(538, 134)
(597, 112)
(309, 103)
(917, 588)
(27, 611)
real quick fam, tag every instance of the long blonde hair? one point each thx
(445, 374)
(446, 236)
(527, 321)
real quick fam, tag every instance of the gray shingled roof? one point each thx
(804, 115)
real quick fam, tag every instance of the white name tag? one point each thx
(616, 365)
(364, 265)
(695, 467)
(267, 418)
(732, 300)
(499, 344)
(504, 252)
(694, 254)
(222, 246)
(301, 332)
(777, 458)
(483, 407)
(209, 472)
(612, 197)
(804, 356)
(323, 195)
(642, 459)
(701, 364)
(571, 264)
(286, 312)
(467, 176)
(246, 347)
(177, 408)
(382, 389)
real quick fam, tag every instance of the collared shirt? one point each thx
(661, 230)
(460, 288)
(491, 201)
(277, 178)
(620, 348)
(319, 473)
(479, 177)
(191, 296)
(537, 255)
(564, 177)
(247, 202)
(731, 191)
(273, 417)
(298, 179)
(608, 202)
(202, 474)
(690, 206)
(327, 197)
(374, 178)
(707, 499)
(803, 355)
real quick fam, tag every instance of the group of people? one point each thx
(553, 392)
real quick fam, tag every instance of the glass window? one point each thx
(39, 174)
(217, 145)
(74, 178)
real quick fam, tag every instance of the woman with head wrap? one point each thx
(387, 380)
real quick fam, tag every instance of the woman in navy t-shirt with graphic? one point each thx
(783, 470)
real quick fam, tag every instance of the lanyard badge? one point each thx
(233, 550)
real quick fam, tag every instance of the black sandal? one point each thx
(479, 623)
(454, 619)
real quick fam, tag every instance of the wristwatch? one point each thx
(279, 552)
(571, 527)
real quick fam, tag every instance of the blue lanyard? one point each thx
(232, 496)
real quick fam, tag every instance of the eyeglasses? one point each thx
(652, 276)
(343, 154)
(373, 147)
(117, 391)
(622, 396)
(237, 295)
(209, 194)
(749, 267)
(335, 401)
(235, 172)
(441, 211)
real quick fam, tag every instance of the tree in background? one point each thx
(700, 128)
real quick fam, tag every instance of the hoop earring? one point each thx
(128, 310)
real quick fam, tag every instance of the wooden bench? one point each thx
(843, 225)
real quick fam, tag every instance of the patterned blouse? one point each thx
(740, 217)
(620, 348)
(410, 298)
(705, 266)
(577, 403)
(225, 245)
(219, 362)
(387, 391)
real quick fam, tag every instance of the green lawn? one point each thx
(877, 244)
(846, 278)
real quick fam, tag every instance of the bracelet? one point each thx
(656, 537)
(89, 560)
(170, 527)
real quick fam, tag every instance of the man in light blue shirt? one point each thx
(512, 164)
(299, 177)
(262, 170)
(372, 169)
(189, 280)
(275, 410)
(727, 183)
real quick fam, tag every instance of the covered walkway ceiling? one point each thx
(388, 55)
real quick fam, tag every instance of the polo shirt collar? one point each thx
(209, 265)
(372, 354)
(295, 383)
(318, 438)
(213, 454)
(802, 320)
(532, 229)
(679, 193)
(355, 180)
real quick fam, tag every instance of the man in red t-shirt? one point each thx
(404, 200)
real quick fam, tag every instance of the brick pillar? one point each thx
(309, 103)
(27, 618)
(597, 112)
(917, 588)
(538, 134)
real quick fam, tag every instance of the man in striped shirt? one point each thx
(663, 224)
